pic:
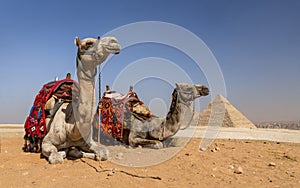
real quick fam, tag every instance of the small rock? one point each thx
(119, 156)
(292, 174)
(272, 164)
(238, 170)
(113, 171)
(215, 149)
(188, 154)
(25, 173)
(231, 167)
(203, 149)
(213, 175)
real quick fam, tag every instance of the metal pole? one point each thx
(99, 111)
(99, 82)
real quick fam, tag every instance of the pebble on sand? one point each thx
(272, 164)
(238, 170)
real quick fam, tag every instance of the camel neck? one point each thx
(87, 74)
(172, 125)
(86, 102)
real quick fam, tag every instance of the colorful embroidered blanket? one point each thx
(35, 124)
(115, 112)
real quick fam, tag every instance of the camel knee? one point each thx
(56, 158)
(47, 149)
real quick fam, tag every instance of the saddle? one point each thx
(46, 103)
(115, 113)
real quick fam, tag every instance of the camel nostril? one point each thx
(205, 91)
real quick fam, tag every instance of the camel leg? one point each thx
(154, 144)
(139, 138)
(93, 150)
(101, 153)
(75, 153)
(50, 151)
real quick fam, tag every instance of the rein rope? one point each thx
(187, 104)
(80, 66)
(88, 52)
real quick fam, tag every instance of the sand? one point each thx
(226, 163)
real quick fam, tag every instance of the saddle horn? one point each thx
(107, 88)
(130, 88)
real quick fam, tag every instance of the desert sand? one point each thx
(226, 163)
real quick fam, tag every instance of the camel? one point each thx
(75, 131)
(152, 132)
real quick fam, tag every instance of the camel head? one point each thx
(96, 50)
(189, 92)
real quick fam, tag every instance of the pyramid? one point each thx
(220, 111)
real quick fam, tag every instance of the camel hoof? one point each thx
(56, 158)
(158, 145)
(102, 154)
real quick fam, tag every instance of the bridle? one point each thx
(187, 104)
(91, 52)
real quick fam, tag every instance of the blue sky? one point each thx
(256, 43)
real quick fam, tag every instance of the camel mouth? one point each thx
(203, 90)
(115, 50)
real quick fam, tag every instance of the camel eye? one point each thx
(89, 43)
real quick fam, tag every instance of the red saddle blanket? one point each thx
(35, 124)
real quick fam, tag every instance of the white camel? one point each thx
(63, 132)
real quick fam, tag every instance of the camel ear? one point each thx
(77, 41)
